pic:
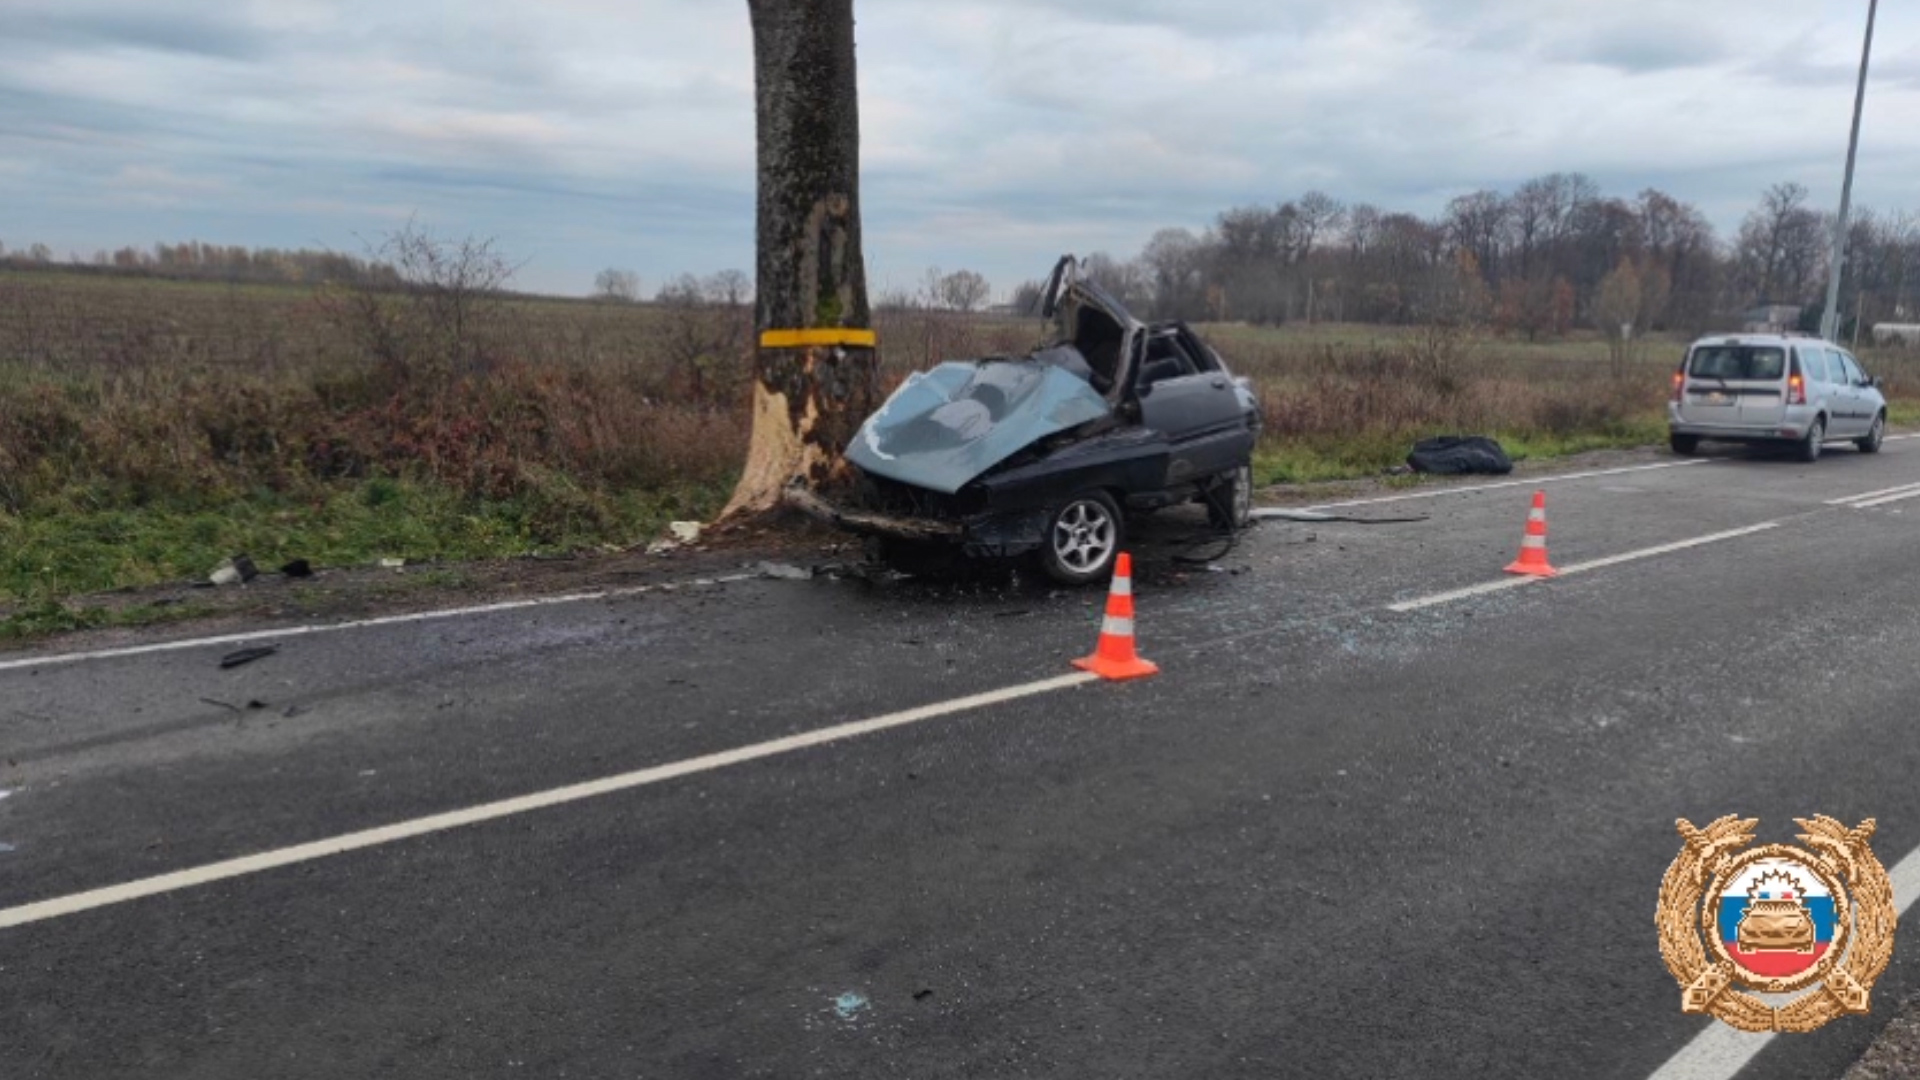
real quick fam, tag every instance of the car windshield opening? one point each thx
(1738, 362)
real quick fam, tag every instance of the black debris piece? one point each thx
(245, 566)
(298, 568)
(1460, 455)
(247, 656)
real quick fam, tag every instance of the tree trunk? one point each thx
(817, 374)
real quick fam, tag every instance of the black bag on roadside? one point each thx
(1459, 455)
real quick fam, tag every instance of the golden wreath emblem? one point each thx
(1776, 920)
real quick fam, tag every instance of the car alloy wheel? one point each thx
(1084, 538)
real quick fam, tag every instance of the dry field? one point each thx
(149, 428)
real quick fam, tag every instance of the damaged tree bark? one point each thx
(817, 374)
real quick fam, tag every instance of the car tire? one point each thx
(1684, 445)
(1230, 502)
(1815, 441)
(1876, 435)
(1084, 537)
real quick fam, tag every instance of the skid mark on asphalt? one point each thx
(1721, 1051)
(43, 910)
(361, 624)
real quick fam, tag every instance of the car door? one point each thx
(1814, 363)
(1844, 412)
(1185, 396)
(1862, 399)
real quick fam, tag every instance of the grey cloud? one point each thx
(137, 27)
(619, 132)
(1642, 54)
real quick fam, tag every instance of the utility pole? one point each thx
(1830, 322)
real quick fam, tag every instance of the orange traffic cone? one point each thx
(1533, 549)
(1115, 658)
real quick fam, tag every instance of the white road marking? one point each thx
(1530, 482)
(1577, 568)
(1438, 599)
(1719, 1052)
(356, 624)
(1885, 499)
(1897, 438)
(43, 910)
(1855, 500)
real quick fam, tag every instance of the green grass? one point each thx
(1302, 461)
(86, 543)
(54, 617)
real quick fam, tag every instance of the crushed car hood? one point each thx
(945, 427)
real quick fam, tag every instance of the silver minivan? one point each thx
(1772, 388)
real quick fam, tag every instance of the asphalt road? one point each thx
(1331, 840)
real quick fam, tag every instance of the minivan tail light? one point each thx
(1797, 389)
(1679, 381)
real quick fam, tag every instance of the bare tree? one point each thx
(438, 318)
(1320, 216)
(964, 291)
(817, 373)
(1781, 246)
(932, 295)
(618, 285)
(704, 333)
(729, 288)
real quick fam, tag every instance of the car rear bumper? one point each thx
(1793, 425)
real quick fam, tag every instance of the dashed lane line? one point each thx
(1516, 582)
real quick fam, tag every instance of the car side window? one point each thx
(1203, 358)
(1855, 376)
(1830, 369)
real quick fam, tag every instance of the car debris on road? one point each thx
(1460, 455)
(247, 656)
(1051, 452)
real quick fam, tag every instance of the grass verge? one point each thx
(1311, 460)
(84, 542)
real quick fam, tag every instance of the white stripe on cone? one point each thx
(1117, 627)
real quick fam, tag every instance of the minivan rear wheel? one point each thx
(1684, 445)
(1816, 439)
(1876, 435)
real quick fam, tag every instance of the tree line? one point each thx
(195, 261)
(1553, 254)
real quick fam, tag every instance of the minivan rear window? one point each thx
(1738, 362)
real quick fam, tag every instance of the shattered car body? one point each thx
(1051, 452)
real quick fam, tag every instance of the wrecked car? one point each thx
(1051, 453)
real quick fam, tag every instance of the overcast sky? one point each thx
(584, 134)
